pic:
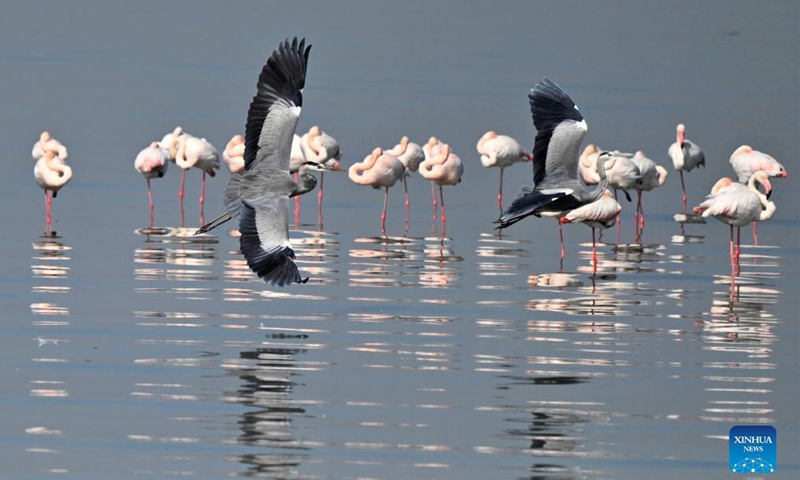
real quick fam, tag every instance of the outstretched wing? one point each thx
(275, 109)
(560, 129)
(265, 241)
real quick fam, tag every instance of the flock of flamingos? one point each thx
(258, 192)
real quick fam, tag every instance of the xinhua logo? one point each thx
(753, 449)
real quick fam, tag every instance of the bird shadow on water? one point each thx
(50, 265)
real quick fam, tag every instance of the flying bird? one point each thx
(51, 173)
(259, 197)
(152, 163)
(686, 155)
(557, 182)
(500, 151)
(380, 169)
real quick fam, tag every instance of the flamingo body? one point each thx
(746, 161)
(152, 163)
(378, 170)
(587, 165)
(409, 153)
(500, 150)
(233, 155)
(47, 142)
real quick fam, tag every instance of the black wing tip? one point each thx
(275, 267)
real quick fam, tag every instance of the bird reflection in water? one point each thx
(438, 270)
(684, 219)
(50, 263)
(182, 256)
(385, 261)
(268, 377)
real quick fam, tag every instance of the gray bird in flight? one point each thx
(259, 197)
(558, 186)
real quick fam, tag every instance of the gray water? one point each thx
(130, 353)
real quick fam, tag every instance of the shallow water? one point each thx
(137, 353)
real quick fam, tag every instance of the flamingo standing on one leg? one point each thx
(152, 163)
(651, 176)
(623, 174)
(500, 151)
(444, 168)
(322, 148)
(685, 155)
(378, 170)
(746, 161)
(429, 150)
(410, 155)
(198, 153)
(51, 173)
(737, 206)
(47, 142)
(602, 213)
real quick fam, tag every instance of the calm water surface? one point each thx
(150, 353)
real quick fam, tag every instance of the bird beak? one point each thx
(767, 188)
(336, 169)
(784, 174)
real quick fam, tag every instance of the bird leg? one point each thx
(755, 234)
(383, 215)
(405, 189)
(500, 194)
(683, 188)
(319, 198)
(444, 214)
(150, 198)
(561, 237)
(619, 215)
(296, 203)
(48, 200)
(180, 195)
(202, 198)
(594, 252)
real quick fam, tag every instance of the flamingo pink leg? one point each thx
(500, 193)
(433, 193)
(383, 215)
(202, 198)
(683, 188)
(444, 213)
(150, 198)
(319, 198)
(755, 234)
(619, 218)
(405, 189)
(296, 203)
(594, 251)
(180, 195)
(48, 201)
(561, 236)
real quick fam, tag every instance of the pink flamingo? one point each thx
(431, 148)
(500, 151)
(737, 206)
(746, 161)
(322, 148)
(233, 155)
(152, 163)
(588, 164)
(444, 168)
(378, 170)
(410, 155)
(51, 173)
(651, 176)
(622, 174)
(198, 153)
(602, 213)
(685, 155)
(46, 142)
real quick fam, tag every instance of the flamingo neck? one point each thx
(180, 155)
